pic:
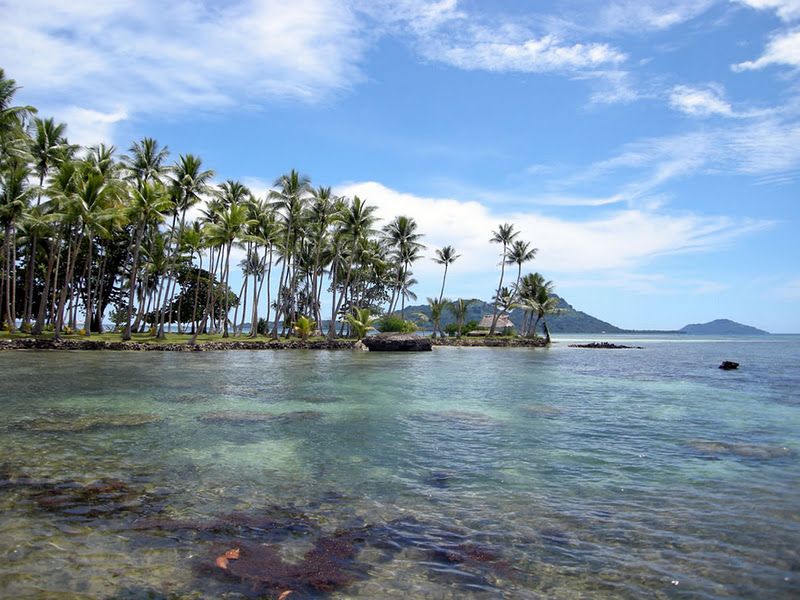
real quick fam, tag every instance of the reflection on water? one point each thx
(518, 473)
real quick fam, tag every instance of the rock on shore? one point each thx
(397, 342)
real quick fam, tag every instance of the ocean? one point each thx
(459, 473)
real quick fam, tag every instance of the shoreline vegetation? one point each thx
(179, 343)
(149, 242)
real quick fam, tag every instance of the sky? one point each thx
(649, 150)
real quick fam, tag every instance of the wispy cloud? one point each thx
(782, 49)
(547, 53)
(651, 284)
(140, 56)
(445, 32)
(768, 148)
(700, 101)
(646, 15)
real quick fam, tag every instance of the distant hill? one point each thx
(569, 321)
(721, 327)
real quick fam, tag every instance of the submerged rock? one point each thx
(439, 479)
(101, 498)
(247, 418)
(757, 451)
(397, 342)
(86, 423)
(540, 410)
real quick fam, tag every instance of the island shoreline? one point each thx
(223, 345)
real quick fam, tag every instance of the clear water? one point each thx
(569, 473)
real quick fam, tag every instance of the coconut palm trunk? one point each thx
(126, 335)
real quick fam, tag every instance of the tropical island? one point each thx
(91, 235)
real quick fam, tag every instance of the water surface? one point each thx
(465, 472)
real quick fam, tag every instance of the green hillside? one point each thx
(569, 321)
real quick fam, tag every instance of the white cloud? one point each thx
(443, 32)
(147, 56)
(700, 102)
(647, 15)
(782, 49)
(89, 127)
(621, 239)
(534, 55)
(787, 10)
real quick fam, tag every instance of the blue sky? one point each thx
(650, 150)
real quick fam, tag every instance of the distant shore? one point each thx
(175, 344)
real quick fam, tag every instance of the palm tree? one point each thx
(504, 235)
(15, 196)
(546, 304)
(401, 235)
(437, 306)
(46, 149)
(189, 183)
(94, 202)
(13, 141)
(146, 162)
(520, 253)
(360, 321)
(459, 310)
(289, 200)
(233, 221)
(321, 213)
(355, 224)
(304, 327)
(194, 241)
(445, 256)
(149, 204)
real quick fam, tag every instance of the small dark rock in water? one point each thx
(439, 479)
(398, 342)
(604, 345)
(729, 365)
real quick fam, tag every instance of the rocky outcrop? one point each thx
(729, 365)
(491, 342)
(397, 342)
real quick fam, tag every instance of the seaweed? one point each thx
(328, 566)
(103, 497)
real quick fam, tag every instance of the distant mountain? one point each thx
(721, 327)
(569, 321)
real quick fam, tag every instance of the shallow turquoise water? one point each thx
(517, 473)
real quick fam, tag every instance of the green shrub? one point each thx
(394, 324)
(262, 328)
(452, 329)
(26, 328)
